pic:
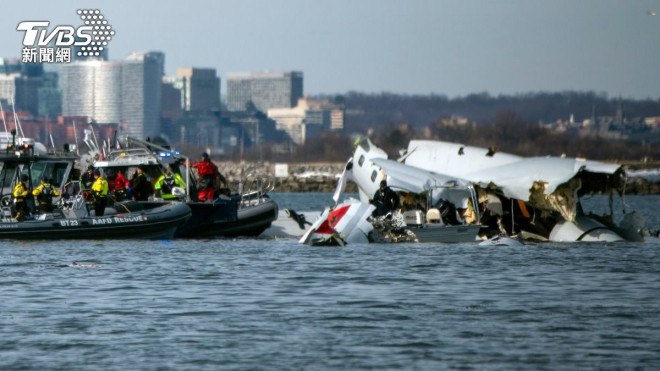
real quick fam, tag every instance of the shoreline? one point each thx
(323, 177)
(300, 177)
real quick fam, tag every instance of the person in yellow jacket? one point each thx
(45, 193)
(21, 210)
(100, 193)
(167, 182)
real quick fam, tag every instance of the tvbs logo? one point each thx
(92, 37)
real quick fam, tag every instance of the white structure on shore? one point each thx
(308, 119)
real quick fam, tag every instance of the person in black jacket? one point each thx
(86, 181)
(141, 187)
(385, 200)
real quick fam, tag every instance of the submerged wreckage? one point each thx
(456, 193)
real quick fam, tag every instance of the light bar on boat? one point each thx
(165, 154)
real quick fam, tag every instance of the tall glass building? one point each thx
(93, 89)
(127, 93)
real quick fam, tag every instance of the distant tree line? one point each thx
(510, 123)
(509, 132)
(365, 111)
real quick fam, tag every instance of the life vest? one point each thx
(100, 188)
(19, 192)
(168, 183)
(45, 196)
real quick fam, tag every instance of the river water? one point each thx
(254, 304)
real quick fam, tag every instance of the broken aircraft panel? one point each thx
(548, 183)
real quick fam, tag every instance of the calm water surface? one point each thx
(273, 304)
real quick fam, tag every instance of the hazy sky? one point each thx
(450, 47)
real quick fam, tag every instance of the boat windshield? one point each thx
(7, 175)
(56, 171)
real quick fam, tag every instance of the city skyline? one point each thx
(449, 48)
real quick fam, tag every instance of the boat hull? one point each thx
(156, 223)
(224, 220)
(252, 220)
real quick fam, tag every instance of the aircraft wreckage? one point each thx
(439, 184)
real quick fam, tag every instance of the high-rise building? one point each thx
(21, 90)
(263, 90)
(93, 89)
(200, 89)
(50, 96)
(171, 98)
(142, 75)
(239, 92)
(19, 83)
(10, 65)
(170, 111)
(126, 93)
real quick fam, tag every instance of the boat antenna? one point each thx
(114, 142)
(17, 122)
(52, 142)
(94, 135)
(75, 136)
(3, 116)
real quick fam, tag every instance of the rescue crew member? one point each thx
(141, 187)
(385, 200)
(45, 193)
(167, 182)
(86, 181)
(208, 174)
(100, 193)
(21, 210)
(118, 185)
